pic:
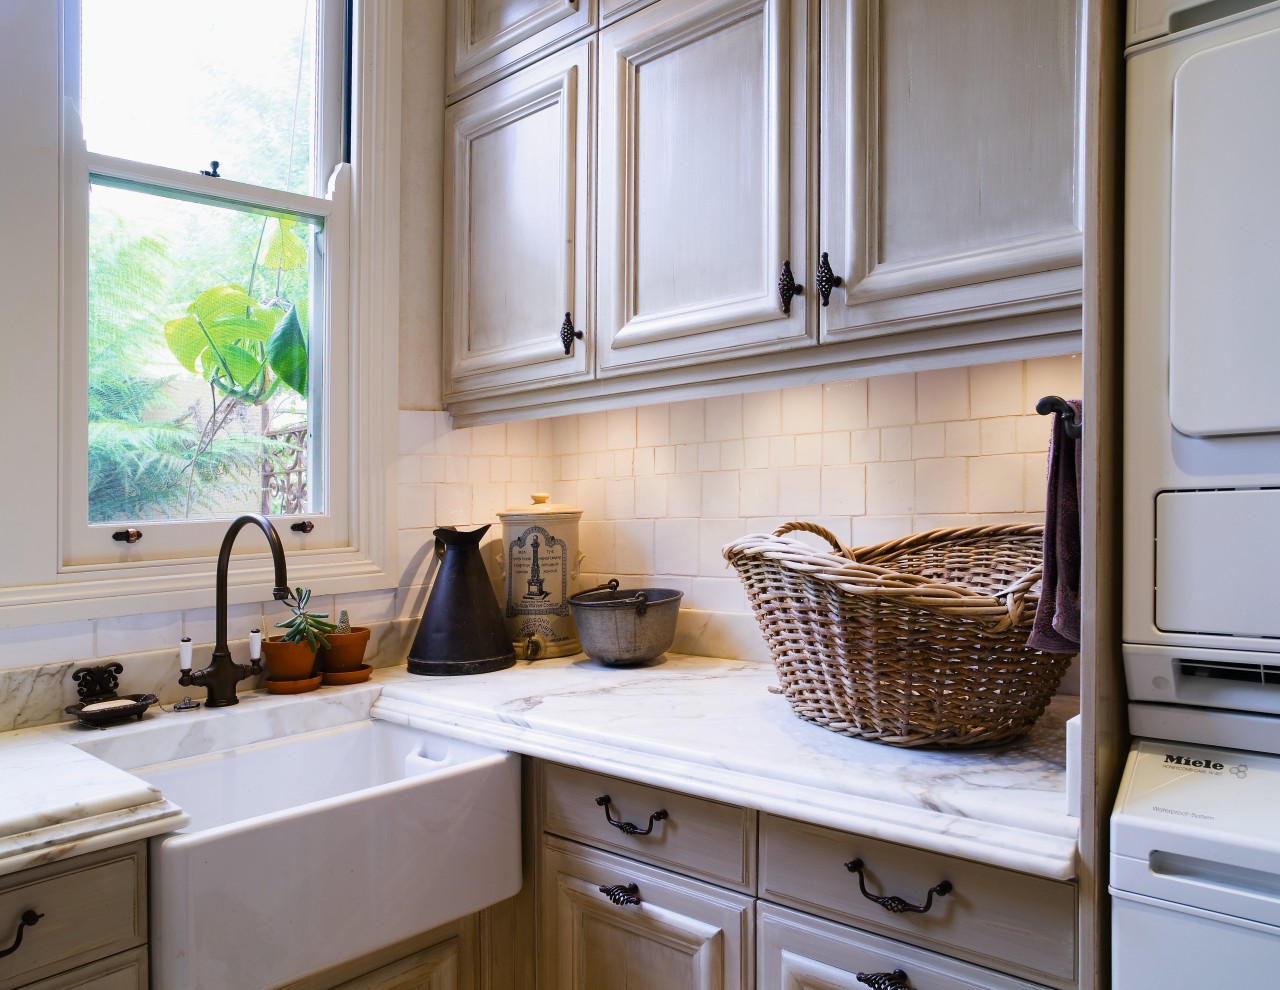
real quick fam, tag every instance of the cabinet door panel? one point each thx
(488, 37)
(683, 933)
(950, 162)
(702, 180)
(518, 226)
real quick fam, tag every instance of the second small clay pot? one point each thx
(345, 650)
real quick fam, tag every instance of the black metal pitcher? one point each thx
(462, 630)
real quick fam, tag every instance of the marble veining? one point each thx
(704, 726)
(57, 798)
(712, 728)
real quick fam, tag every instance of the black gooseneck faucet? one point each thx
(219, 679)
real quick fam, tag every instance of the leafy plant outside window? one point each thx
(157, 450)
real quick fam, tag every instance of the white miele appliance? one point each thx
(1195, 869)
(1195, 858)
(1201, 618)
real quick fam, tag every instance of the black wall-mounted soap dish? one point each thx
(99, 704)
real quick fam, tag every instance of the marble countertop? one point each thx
(712, 728)
(704, 726)
(59, 801)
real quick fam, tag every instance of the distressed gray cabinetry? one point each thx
(950, 171)
(703, 182)
(487, 39)
(657, 919)
(799, 951)
(92, 929)
(912, 169)
(518, 260)
(682, 893)
(992, 917)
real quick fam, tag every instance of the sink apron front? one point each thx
(309, 851)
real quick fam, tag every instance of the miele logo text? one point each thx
(1183, 761)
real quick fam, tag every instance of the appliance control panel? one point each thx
(1180, 789)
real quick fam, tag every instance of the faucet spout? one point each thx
(223, 673)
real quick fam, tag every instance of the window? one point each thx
(220, 338)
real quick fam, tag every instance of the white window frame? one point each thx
(43, 221)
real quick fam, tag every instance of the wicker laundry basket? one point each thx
(920, 641)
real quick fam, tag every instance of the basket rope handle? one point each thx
(1015, 595)
(816, 530)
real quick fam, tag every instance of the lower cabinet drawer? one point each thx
(126, 971)
(796, 950)
(704, 839)
(92, 906)
(1009, 921)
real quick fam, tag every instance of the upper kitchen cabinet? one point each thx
(518, 228)
(950, 171)
(702, 189)
(491, 38)
(911, 170)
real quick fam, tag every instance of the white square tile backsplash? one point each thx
(662, 489)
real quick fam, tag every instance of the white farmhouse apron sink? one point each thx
(314, 849)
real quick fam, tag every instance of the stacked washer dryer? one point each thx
(1195, 839)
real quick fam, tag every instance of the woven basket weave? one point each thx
(920, 641)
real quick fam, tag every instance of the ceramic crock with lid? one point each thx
(540, 572)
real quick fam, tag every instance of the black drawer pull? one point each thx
(892, 902)
(29, 918)
(627, 828)
(622, 894)
(897, 980)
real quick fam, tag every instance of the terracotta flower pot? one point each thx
(288, 661)
(345, 651)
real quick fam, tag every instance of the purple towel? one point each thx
(1056, 627)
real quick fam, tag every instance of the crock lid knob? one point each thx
(541, 498)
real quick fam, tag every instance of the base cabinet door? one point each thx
(435, 968)
(612, 922)
(800, 952)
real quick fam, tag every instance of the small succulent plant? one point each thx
(344, 623)
(304, 625)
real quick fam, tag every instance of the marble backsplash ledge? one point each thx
(33, 696)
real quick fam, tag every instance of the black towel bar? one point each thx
(1057, 404)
